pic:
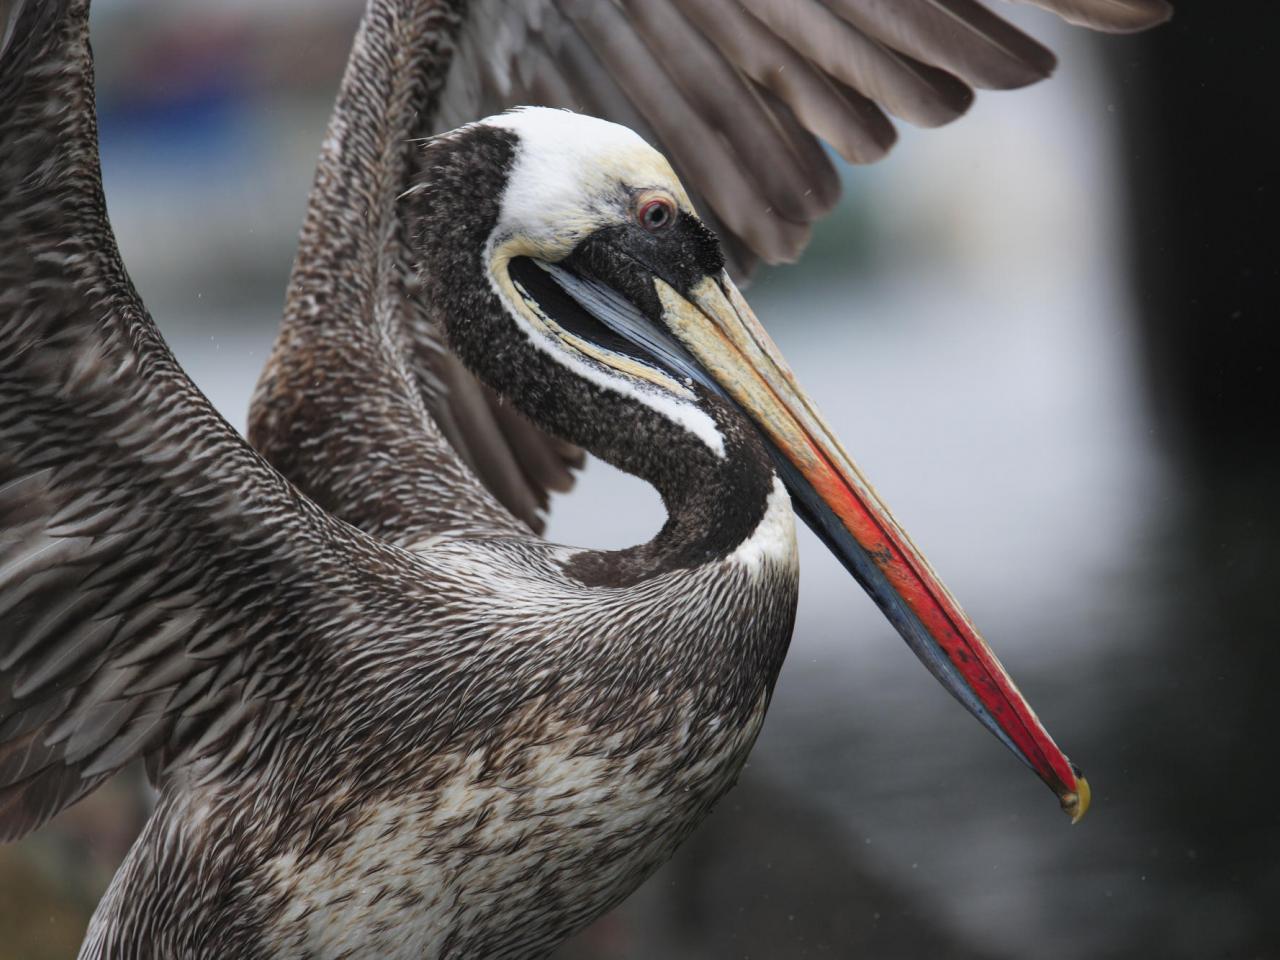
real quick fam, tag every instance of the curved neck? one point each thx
(715, 498)
(713, 503)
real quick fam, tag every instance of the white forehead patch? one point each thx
(568, 170)
(567, 133)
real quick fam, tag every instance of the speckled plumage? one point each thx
(384, 717)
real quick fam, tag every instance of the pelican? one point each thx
(385, 718)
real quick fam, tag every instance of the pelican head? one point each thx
(558, 247)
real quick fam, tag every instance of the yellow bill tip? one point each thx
(1076, 803)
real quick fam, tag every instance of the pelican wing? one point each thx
(163, 590)
(738, 93)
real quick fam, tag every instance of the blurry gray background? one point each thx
(989, 329)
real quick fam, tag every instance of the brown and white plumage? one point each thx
(375, 703)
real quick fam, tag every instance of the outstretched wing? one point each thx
(738, 93)
(162, 589)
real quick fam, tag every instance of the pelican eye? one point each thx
(656, 214)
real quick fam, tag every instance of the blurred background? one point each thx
(1047, 332)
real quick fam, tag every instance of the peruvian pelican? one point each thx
(384, 717)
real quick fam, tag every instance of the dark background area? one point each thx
(1201, 164)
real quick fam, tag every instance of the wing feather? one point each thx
(690, 74)
(691, 141)
(784, 173)
(905, 87)
(960, 36)
(163, 591)
(858, 130)
(1113, 16)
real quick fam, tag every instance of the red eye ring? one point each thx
(656, 214)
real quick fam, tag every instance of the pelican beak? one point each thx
(714, 323)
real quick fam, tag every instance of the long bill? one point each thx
(714, 322)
